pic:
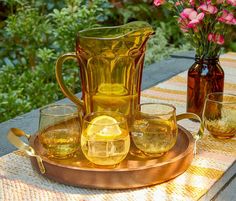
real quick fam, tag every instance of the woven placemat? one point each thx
(18, 181)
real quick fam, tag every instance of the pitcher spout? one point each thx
(136, 28)
(127, 39)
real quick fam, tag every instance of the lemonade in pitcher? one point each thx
(113, 97)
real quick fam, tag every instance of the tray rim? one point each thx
(182, 155)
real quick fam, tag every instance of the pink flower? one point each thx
(159, 2)
(210, 37)
(219, 39)
(189, 18)
(183, 22)
(195, 15)
(208, 8)
(177, 3)
(216, 38)
(192, 2)
(232, 2)
(195, 19)
(186, 12)
(219, 1)
(227, 18)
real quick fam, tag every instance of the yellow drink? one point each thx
(104, 140)
(221, 128)
(60, 143)
(154, 136)
(103, 151)
(113, 97)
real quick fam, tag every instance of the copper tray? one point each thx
(133, 172)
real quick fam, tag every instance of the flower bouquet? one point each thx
(206, 23)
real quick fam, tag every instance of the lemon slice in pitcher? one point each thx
(112, 89)
(104, 127)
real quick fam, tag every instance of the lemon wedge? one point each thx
(112, 89)
(104, 127)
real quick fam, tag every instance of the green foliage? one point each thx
(34, 34)
(159, 46)
(136, 10)
(68, 21)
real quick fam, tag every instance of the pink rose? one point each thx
(216, 38)
(227, 18)
(232, 2)
(208, 8)
(159, 2)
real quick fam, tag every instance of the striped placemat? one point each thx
(18, 181)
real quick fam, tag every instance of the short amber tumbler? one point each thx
(219, 115)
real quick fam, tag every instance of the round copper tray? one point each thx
(133, 172)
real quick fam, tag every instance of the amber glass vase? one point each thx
(204, 76)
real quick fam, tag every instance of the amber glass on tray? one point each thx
(59, 130)
(219, 115)
(155, 129)
(204, 76)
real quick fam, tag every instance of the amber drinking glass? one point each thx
(155, 129)
(105, 138)
(219, 115)
(59, 130)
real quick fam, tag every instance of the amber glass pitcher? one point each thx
(111, 63)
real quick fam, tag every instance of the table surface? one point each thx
(223, 189)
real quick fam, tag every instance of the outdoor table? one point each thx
(211, 175)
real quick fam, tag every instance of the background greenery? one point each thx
(33, 33)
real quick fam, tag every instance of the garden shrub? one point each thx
(33, 35)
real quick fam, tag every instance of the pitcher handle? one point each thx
(200, 132)
(14, 135)
(60, 80)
